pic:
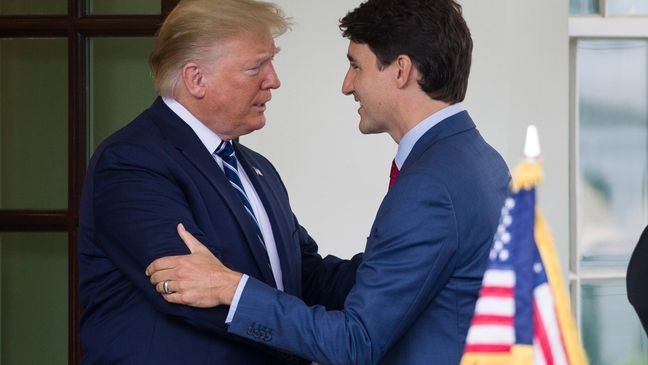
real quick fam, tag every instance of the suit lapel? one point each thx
(178, 133)
(271, 203)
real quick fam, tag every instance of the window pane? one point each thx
(33, 7)
(611, 331)
(33, 123)
(626, 7)
(97, 7)
(33, 298)
(583, 6)
(121, 86)
(612, 148)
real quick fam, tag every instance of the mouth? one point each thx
(260, 106)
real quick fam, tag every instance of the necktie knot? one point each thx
(225, 150)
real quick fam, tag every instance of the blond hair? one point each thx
(195, 26)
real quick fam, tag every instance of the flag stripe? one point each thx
(484, 319)
(492, 334)
(497, 291)
(487, 348)
(541, 336)
(495, 306)
(498, 277)
(547, 314)
(537, 355)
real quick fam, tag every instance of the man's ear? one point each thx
(405, 70)
(194, 79)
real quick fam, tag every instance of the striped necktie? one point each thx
(225, 151)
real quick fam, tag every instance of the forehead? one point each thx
(360, 52)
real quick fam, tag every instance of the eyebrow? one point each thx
(351, 59)
(266, 58)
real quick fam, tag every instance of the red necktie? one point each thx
(393, 174)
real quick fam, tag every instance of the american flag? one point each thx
(516, 319)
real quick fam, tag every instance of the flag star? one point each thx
(498, 245)
(501, 229)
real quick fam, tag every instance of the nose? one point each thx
(347, 84)
(272, 79)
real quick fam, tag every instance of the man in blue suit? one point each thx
(178, 161)
(428, 248)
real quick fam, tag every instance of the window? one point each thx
(609, 178)
(71, 72)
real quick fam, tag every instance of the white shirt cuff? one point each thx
(235, 300)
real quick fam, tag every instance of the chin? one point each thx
(367, 129)
(257, 124)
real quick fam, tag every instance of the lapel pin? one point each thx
(258, 172)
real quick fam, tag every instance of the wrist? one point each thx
(230, 291)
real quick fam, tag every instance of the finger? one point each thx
(159, 287)
(162, 275)
(192, 243)
(172, 286)
(163, 263)
(173, 298)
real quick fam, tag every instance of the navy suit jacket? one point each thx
(425, 256)
(141, 182)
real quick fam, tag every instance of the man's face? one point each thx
(369, 86)
(238, 84)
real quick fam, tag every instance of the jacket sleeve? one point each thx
(137, 204)
(408, 260)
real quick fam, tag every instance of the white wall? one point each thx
(337, 177)
(520, 76)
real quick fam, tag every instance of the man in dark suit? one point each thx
(428, 248)
(178, 161)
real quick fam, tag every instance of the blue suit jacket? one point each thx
(426, 254)
(141, 182)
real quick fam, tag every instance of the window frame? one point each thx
(584, 27)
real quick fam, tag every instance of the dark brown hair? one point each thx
(432, 33)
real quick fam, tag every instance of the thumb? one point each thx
(192, 243)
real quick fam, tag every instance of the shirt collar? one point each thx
(412, 136)
(210, 139)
